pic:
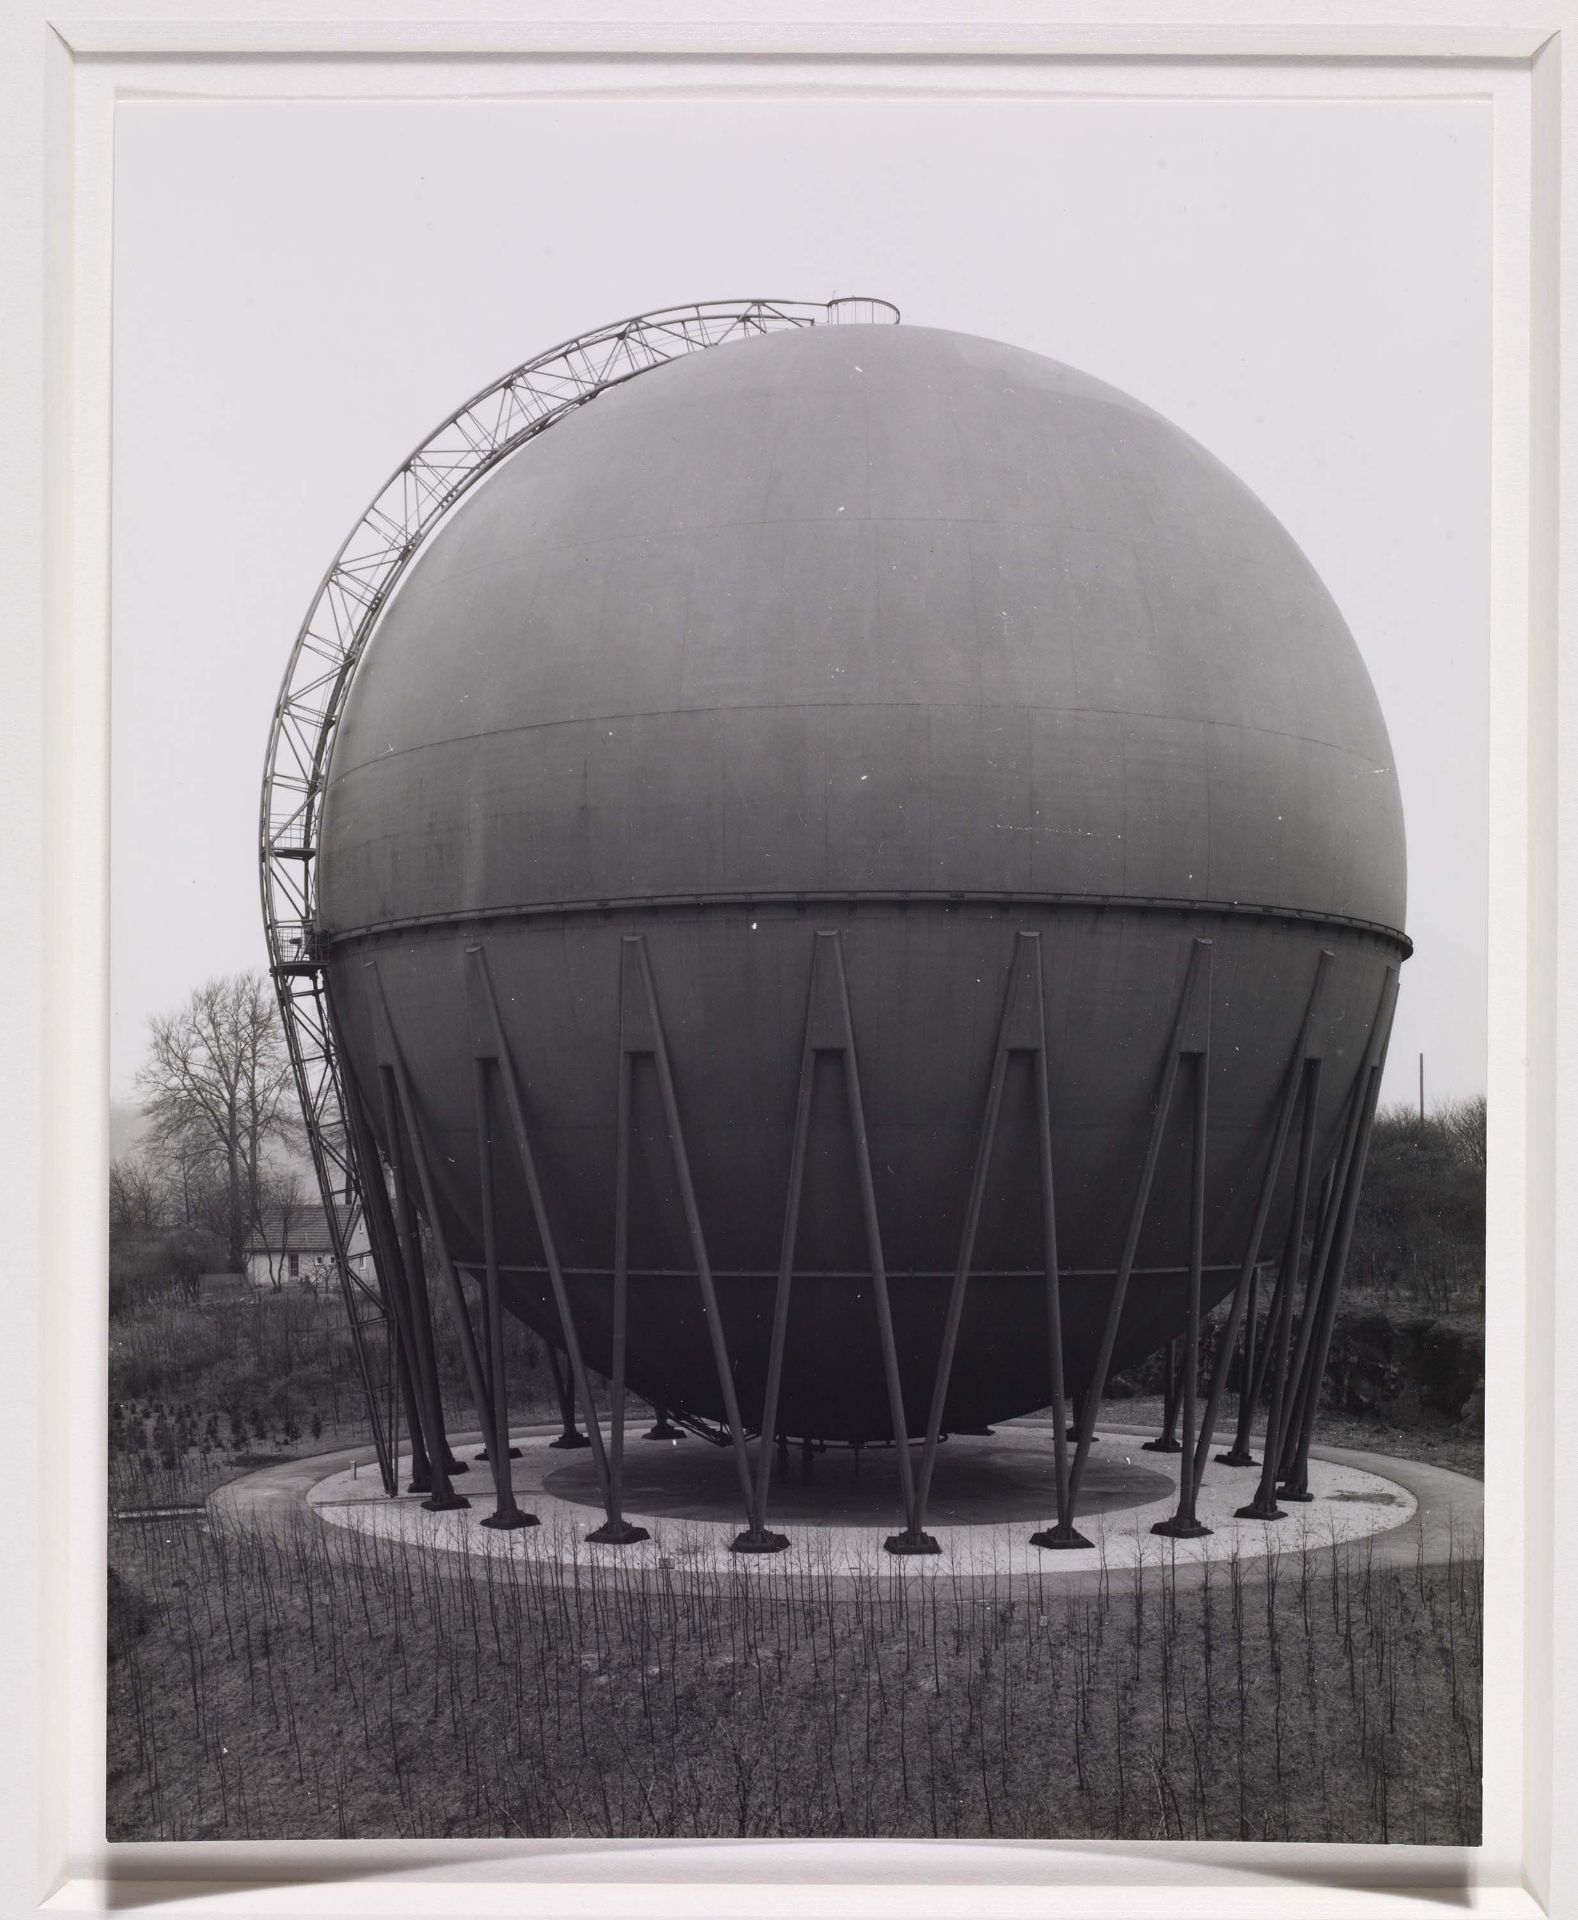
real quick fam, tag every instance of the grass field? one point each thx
(204, 1391)
(319, 1684)
(323, 1683)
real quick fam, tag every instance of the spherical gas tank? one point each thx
(889, 646)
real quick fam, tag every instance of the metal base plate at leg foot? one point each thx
(618, 1533)
(759, 1540)
(1301, 1494)
(1176, 1529)
(514, 1454)
(568, 1440)
(438, 1503)
(910, 1542)
(452, 1465)
(1235, 1458)
(664, 1430)
(421, 1486)
(1053, 1538)
(1254, 1511)
(1161, 1444)
(510, 1519)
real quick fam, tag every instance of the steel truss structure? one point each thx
(490, 426)
(829, 1041)
(396, 1307)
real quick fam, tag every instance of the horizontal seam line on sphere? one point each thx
(836, 705)
(1030, 1276)
(813, 897)
(1129, 534)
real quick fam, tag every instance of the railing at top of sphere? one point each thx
(474, 439)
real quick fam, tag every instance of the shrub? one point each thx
(1420, 1228)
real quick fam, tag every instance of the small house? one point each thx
(291, 1247)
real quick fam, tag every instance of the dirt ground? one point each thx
(276, 1684)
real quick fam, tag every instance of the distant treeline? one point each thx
(220, 1124)
(1420, 1230)
(1419, 1235)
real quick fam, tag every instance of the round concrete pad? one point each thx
(1352, 1500)
(978, 1481)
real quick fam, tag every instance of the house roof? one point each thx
(296, 1230)
(305, 1231)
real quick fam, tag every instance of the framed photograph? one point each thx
(790, 1045)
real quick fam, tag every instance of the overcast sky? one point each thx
(301, 292)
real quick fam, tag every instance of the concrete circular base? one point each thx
(977, 1482)
(989, 1494)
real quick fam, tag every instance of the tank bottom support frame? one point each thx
(1293, 1368)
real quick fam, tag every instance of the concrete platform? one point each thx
(989, 1495)
(978, 1482)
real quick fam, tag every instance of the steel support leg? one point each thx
(617, 1530)
(1063, 1531)
(386, 1260)
(484, 1453)
(340, 1204)
(830, 1030)
(1167, 1440)
(641, 1033)
(1021, 1030)
(1238, 1454)
(419, 1316)
(571, 1439)
(1308, 1046)
(490, 1040)
(1297, 1486)
(820, 1020)
(507, 1512)
(1028, 1027)
(1264, 1504)
(384, 1241)
(1308, 1367)
(421, 1467)
(504, 1492)
(1262, 1371)
(1186, 1524)
(911, 1540)
(443, 1497)
(1190, 1034)
(422, 1325)
(1299, 1369)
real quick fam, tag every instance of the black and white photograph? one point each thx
(799, 882)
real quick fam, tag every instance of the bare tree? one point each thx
(218, 1076)
(137, 1197)
(190, 1169)
(282, 1207)
(1467, 1126)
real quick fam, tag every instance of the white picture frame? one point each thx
(64, 76)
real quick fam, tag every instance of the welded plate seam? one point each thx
(1089, 902)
